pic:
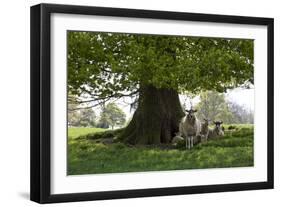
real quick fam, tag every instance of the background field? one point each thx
(89, 152)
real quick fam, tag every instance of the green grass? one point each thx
(87, 156)
(76, 132)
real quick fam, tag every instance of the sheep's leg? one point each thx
(192, 140)
(189, 142)
(186, 142)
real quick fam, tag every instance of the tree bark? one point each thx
(156, 119)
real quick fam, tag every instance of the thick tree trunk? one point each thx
(156, 119)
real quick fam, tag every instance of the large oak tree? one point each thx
(155, 69)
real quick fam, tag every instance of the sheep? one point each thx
(217, 131)
(177, 139)
(190, 127)
(205, 130)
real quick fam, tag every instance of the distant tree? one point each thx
(103, 120)
(240, 114)
(80, 116)
(87, 117)
(73, 116)
(213, 106)
(111, 116)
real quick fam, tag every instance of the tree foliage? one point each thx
(112, 65)
(214, 106)
(240, 114)
(82, 117)
(111, 116)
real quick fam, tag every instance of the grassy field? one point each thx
(88, 156)
(77, 132)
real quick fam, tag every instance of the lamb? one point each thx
(205, 130)
(190, 127)
(177, 139)
(217, 131)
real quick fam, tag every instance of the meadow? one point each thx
(92, 151)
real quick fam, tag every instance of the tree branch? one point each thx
(118, 95)
(100, 100)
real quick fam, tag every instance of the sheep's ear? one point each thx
(187, 110)
(214, 122)
(221, 122)
(195, 110)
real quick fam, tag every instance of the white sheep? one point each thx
(217, 131)
(190, 127)
(177, 139)
(205, 130)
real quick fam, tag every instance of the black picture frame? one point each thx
(41, 97)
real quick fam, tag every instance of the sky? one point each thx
(244, 97)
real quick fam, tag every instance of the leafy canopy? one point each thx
(104, 65)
